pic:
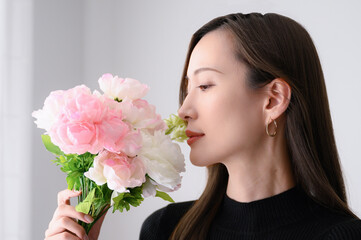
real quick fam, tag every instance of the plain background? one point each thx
(48, 45)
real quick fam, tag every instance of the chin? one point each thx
(200, 161)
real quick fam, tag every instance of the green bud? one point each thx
(176, 127)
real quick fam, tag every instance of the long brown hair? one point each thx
(275, 46)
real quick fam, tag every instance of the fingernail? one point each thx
(88, 218)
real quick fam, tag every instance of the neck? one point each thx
(263, 174)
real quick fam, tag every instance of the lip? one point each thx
(191, 140)
(193, 136)
(190, 134)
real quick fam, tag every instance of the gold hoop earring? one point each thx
(275, 132)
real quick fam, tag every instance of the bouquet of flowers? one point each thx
(113, 147)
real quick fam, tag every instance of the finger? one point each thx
(69, 211)
(63, 236)
(65, 195)
(66, 224)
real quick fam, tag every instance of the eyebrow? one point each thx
(204, 69)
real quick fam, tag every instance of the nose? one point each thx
(187, 110)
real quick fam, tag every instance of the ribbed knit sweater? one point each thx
(288, 215)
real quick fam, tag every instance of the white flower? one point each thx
(119, 88)
(149, 188)
(163, 160)
(46, 117)
(95, 173)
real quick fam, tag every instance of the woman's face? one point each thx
(220, 105)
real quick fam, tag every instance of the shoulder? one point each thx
(349, 229)
(161, 223)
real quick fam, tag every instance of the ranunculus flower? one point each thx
(114, 131)
(119, 88)
(141, 115)
(163, 160)
(54, 106)
(76, 137)
(131, 143)
(46, 116)
(82, 105)
(86, 124)
(117, 170)
(149, 188)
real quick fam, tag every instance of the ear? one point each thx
(278, 95)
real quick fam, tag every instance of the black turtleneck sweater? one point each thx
(289, 215)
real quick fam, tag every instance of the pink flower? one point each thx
(82, 105)
(119, 88)
(141, 115)
(117, 170)
(114, 131)
(130, 144)
(86, 124)
(76, 137)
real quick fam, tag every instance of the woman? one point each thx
(254, 97)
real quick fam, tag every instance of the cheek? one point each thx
(242, 121)
(232, 124)
(237, 121)
(233, 113)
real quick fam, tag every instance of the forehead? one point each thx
(214, 50)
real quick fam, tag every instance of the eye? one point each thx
(204, 87)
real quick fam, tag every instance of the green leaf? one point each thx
(83, 207)
(126, 206)
(106, 193)
(164, 196)
(86, 160)
(118, 200)
(51, 147)
(137, 192)
(124, 200)
(86, 204)
(73, 180)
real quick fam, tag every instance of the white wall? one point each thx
(77, 41)
(16, 71)
(58, 64)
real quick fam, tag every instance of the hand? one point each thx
(63, 225)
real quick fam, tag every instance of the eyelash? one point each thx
(202, 86)
(206, 85)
